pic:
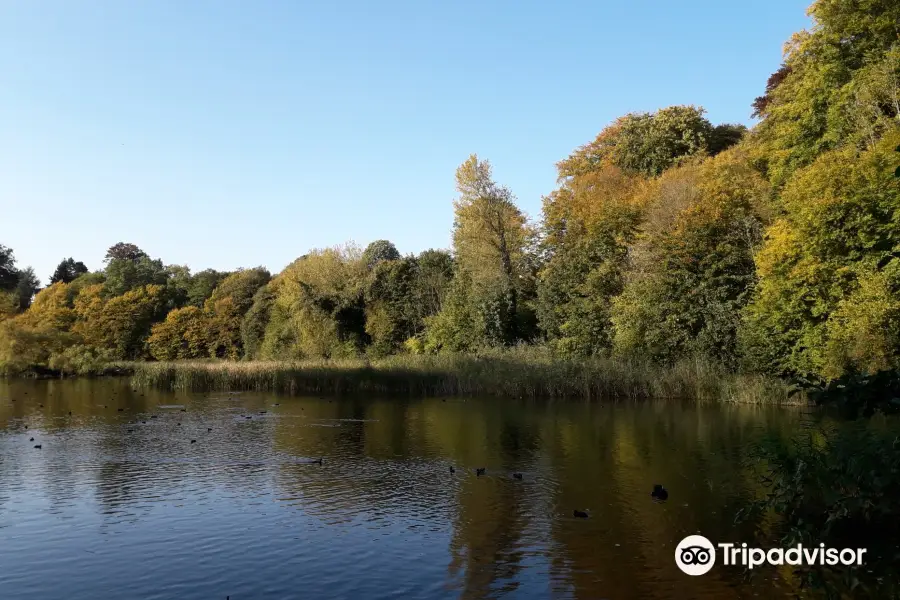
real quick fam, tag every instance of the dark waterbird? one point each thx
(130, 430)
(452, 470)
(517, 476)
(193, 441)
(248, 417)
(120, 409)
(153, 416)
(579, 514)
(318, 461)
(183, 410)
(208, 429)
(38, 446)
(480, 471)
(659, 493)
(31, 440)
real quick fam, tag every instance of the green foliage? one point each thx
(127, 269)
(379, 251)
(576, 290)
(201, 286)
(225, 309)
(840, 84)
(9, 275)
(72, 290)
(124, 251)
(256, 320)
(434, 273)
(319, 308)
(838, 487)
(16, 285)
(279, 341)
(184, 288)
(725, 136)
(590, 244)
(68, 270)
(492, 241)
(241, 286)
(25, 347)
(119, 325)
(392, 315)
(401, 295)
(79, 359)
(182, 335)
(9, 305)
(460, 325)
(693, 269)
(859, 394)
(650, 143)
(52, 308)
(86, 279)
(829, 270)
(26, 288)
(216, 329)
(588, 225)
(178, 280)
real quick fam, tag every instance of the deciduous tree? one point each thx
(830, 269)
(492, 240)
(68, 270)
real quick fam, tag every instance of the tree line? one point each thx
(774, 249)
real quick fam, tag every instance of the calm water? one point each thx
(101, 512)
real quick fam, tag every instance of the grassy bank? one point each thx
(508, 374)
(111, 369)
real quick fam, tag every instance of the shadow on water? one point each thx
(120, 503)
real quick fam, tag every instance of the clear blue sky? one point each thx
(229, 133)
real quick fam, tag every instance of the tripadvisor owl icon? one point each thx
(695, 555)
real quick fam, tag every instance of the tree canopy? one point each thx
(774, 249)
(68, 270)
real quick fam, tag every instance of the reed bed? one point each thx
(508, 374)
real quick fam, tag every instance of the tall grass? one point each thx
(512, 374)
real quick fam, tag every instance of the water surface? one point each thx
(120, 504)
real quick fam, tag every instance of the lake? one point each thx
(121, 504)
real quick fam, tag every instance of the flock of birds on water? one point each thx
(659, 493)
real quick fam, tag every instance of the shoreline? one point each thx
(45, 374)
(499, 376)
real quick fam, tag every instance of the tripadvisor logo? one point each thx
(696, 555)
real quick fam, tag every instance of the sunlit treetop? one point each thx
(650, 143)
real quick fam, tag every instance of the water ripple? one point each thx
(182, 496)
